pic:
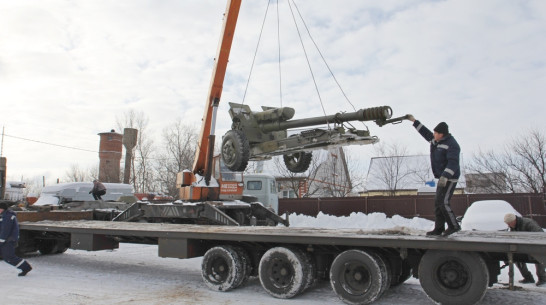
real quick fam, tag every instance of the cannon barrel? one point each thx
(368, 114)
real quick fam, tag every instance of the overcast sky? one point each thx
(68, 69)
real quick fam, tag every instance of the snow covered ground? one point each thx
(134, 274)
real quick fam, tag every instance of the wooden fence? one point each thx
(529, 205)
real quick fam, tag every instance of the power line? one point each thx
(52, 144)
(77, 148)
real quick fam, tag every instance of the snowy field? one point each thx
(134, 274)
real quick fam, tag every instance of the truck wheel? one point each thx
(48, 246)
(284, 272)
(235, 150)
(222, 268)
(453, 277)
(357, 277)
(298, 162)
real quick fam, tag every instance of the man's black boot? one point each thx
(434, 233)
(527, 280)
(25, 268)
(450, 231)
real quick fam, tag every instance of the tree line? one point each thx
(519, 167)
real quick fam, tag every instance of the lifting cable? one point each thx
(308, 63)
(256, 52)
(279, 43)
(323, 59)
(304, 51)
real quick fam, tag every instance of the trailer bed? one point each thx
(502, 241)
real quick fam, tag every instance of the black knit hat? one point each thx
(442, 128)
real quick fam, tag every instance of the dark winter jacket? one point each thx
(97, 187)
(9, 227)
(444, 154)
(526, 225)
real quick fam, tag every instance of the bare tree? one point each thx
(529, 161)
(488, 173)
(391, 171)
(33, 186)
(331, 173)
(179, 142)
(142, 176)
(76, 174)
(299, 181)
(521, 166)
(338, 174)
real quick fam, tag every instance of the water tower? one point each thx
(110, 156)
(129, 141)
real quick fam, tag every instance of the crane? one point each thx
(198, 184)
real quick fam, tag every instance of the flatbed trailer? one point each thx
(361, 265)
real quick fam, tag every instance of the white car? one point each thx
(487, 215)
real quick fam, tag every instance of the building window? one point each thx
(288, 194)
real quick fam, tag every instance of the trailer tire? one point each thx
(222, 268)
(62, 249)
(453, 277)
(246, 263)
(386, 272)
(284, 272)
(235, 150)
(48, 246)
(298, 162)
(357, 277)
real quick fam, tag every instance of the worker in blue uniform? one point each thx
(9, 235)
(444, 160)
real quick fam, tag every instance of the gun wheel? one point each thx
(235, 150)
(298, 162)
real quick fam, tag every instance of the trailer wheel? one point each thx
(298, 162)
(246, 263)
(235, 150)
(48, 246)
(222, 268)
(386, 271)
(284, 272)
(61, 249)
(357, 277)
(453, 277)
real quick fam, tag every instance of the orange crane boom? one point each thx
(202, 164)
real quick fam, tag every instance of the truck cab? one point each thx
(236, 185)
(263, 187)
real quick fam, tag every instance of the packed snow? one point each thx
(134, 274)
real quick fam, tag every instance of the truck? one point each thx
(360, 265)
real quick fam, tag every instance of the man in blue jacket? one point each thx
(9, 235)
(444, 159)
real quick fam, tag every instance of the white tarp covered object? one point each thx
(79, 191)
(487, 215)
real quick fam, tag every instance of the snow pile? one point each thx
(358, 221)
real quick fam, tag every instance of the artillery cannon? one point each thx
(261, 135)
